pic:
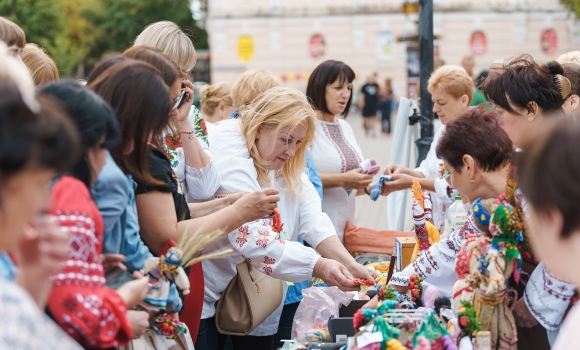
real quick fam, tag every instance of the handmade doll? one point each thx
(426, 234)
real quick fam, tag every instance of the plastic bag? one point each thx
(318, 304)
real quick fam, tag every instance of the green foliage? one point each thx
(572, 5)
(78, 33)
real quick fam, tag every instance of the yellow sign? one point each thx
(245, 48)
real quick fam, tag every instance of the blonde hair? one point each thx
(172, 41)
(452, 80)
(252, 83)
(42, 68)
(12, 69)
(212, 95)
(11, 33)
(570, 57)
(279, 108)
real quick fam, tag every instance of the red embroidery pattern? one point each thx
(263, 238)
(243, 234)
(268, 262)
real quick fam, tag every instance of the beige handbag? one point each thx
(248, 300)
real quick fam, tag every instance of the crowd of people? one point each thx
(111, 171)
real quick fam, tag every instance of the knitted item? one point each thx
(423, 344)
(370, 166)
(378, 186)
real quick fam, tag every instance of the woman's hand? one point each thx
(139, 322)
(395, 169)
(256, 205)
(133, 292)
(372, 304)
(359, 271)
(523, 316)
(398, 182)
(334, 274)
(356, 180)
(112, 260)
(183, 111)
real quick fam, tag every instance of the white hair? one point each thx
(16, 71)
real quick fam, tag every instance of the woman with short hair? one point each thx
(451, 90)
(42, 67)
(216, 102)
(524, 92)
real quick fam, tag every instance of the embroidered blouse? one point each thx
(256, 241)
(336, 151)
(437, 264)
(198, 185)
(84, 307)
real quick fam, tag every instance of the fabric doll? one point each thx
(426, 234)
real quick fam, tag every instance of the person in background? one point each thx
(468, 63)
(250, 84)
(553, 196)
(386, 102)
(451, 91)
(478, 95)
(569, 57)
(185, 139)
(368, 103)
(42, 68)
(335, 152)
(216, 102)
(13, 36)
(572, 105)
(33, 149)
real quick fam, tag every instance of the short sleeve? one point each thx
(159, 169)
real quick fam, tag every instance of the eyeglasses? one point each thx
(177, 101)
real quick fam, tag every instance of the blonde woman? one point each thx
(266, 147)
(250, 84)
(185, 139)
(216, 102)
(42, 67)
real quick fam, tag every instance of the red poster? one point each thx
(549, 41)
(478, 43)
(317, 46)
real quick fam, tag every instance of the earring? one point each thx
(530, 121)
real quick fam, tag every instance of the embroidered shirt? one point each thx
(198, 185)
(336, 151)
(437, 264)
(84, 307)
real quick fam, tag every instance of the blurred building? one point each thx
(291, 37)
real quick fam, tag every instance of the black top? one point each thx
(370, 92)
(160, 169)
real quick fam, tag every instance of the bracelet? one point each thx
(366, 191)
(189, 133)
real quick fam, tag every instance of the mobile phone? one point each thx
(184, 99)
(115, 277)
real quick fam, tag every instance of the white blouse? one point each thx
(444, 194)
(336, 151)
(302, 217)
(197, 185)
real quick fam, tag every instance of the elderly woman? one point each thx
(451, 90)
(523, 93)
(266, 147)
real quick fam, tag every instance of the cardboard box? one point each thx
(404, 247)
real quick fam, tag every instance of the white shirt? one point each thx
(568, 337)
(197, 185)
(336, 151)
(429, 167)
(24, 326)
(255, 241)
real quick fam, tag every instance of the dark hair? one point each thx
(481, 78)
(140, 99)
(522, 81)
(479, 134)
(11, 33)
(572, 71)
(47, 140)
(170, 71)
(93, 117)
(548, 169)
(104, 64)
(325, 74)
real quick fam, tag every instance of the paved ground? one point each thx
(368, 213)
